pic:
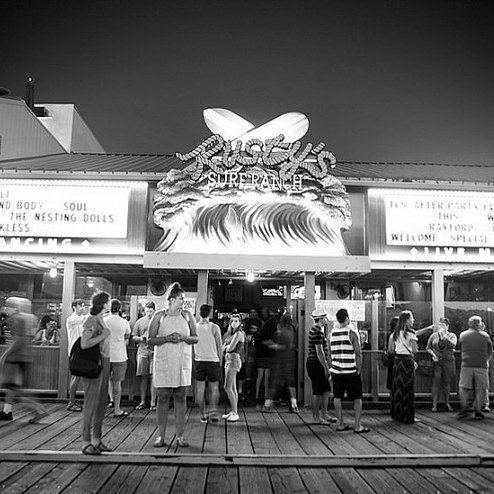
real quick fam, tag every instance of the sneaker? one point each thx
(434, 409)
(6, 416)
(478, 416)
(226, 415)
(462, 414)
(38, 416)
(204, 419)
(74, 407)
(449, 408)
(234, 417)
(485, 410)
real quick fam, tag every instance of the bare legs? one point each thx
(213, 396)
(179, 404)
(231, 388)
(117, 396)
(320, 402)
(262, 374)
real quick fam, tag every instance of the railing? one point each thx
(42, 375)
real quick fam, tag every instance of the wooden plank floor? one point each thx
(262, 453)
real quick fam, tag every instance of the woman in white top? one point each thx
(403, 343)
(172, 331)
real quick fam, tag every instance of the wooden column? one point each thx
(202, 289)
(437, 295)
(374, 341)
(310, 288)
(68, 291)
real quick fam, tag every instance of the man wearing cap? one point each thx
(318, 368)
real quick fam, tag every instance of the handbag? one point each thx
(387, 358)
(85, 363)
(425, 367)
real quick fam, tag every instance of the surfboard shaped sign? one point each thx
(233, 127)
(237, 144)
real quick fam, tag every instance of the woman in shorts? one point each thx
(233, 345)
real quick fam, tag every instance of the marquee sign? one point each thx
(431, 225)
(253, 193)
(62, 209)
(71, 216)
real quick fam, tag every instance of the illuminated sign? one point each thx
(230, 126)
(287, 158)
(258, 195)
(62, 210)
(439, 219)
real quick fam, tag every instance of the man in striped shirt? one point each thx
(345, 367)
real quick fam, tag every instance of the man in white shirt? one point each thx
(144, 368)
(74, 330)
(119, 339)
(207, 356)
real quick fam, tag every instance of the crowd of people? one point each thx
(255, 356)
(476, 350)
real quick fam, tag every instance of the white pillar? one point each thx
(437, 294)
(68, 291)
(202, 289)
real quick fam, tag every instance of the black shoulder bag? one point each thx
(85, 363)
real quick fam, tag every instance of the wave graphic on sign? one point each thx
(252, 224)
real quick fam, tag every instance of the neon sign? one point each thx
(220, 155)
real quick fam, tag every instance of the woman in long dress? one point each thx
(172, 332)
(403, 343)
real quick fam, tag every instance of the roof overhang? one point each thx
(176, 260)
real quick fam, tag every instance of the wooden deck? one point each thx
(263, 453)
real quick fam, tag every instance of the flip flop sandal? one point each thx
(90, 449)
(123, 414)
(159, 442)
(344, 428)
(362, 431)
(103, 447)
(141, 406)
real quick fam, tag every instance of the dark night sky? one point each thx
(379, 80)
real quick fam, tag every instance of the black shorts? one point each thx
(209, 370)
(351, 383)
(320, 383)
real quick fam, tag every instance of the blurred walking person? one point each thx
(15, 362)
(284, 344)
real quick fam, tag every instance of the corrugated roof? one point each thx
(152, 167)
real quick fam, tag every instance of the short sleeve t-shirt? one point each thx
(119, 327)
(316, 337)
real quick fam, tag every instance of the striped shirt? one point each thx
(317, 337)
(343, 360)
